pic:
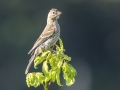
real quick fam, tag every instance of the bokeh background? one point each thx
(90, 30)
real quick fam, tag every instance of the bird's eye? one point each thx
(53, 12)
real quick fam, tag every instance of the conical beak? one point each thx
(59, 13)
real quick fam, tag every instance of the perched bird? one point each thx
(48, 38)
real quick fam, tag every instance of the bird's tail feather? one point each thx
(34, 54)
(30, 51)
(29, 64)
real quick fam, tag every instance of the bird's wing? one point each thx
(48, 31)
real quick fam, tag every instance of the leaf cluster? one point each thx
(53, 62)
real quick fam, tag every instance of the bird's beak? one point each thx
(59, 13)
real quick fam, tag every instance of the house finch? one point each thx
(48, 38)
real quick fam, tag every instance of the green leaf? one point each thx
(51, 61)
(70, 81)
(64, 67)
(48, 56)
(40, 77)
(58, 77)
(67, 58)
(54, 62)
(31, 78)
(52, 74)
(73, 71)
(68, 73)
(57, 48)
(27, 80)
(36, 82)
(45, 68)
(61, 44)
(45, 53)
(47, 78)
(38, 60)
(58, 53)
(59, 64)
(65, 75)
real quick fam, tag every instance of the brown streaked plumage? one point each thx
(49, 36)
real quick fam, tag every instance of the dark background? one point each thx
(90, 30)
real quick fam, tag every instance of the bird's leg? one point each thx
(53, 46)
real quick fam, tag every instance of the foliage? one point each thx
(54, 61)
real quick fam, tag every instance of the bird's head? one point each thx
(54, 14)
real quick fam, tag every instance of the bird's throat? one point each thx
(49, 21)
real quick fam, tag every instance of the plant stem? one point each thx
(45, 86)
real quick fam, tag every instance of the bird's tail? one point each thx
(34, 54)
(30, 63)
(30, 51)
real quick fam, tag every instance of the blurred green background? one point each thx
(90, 30)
